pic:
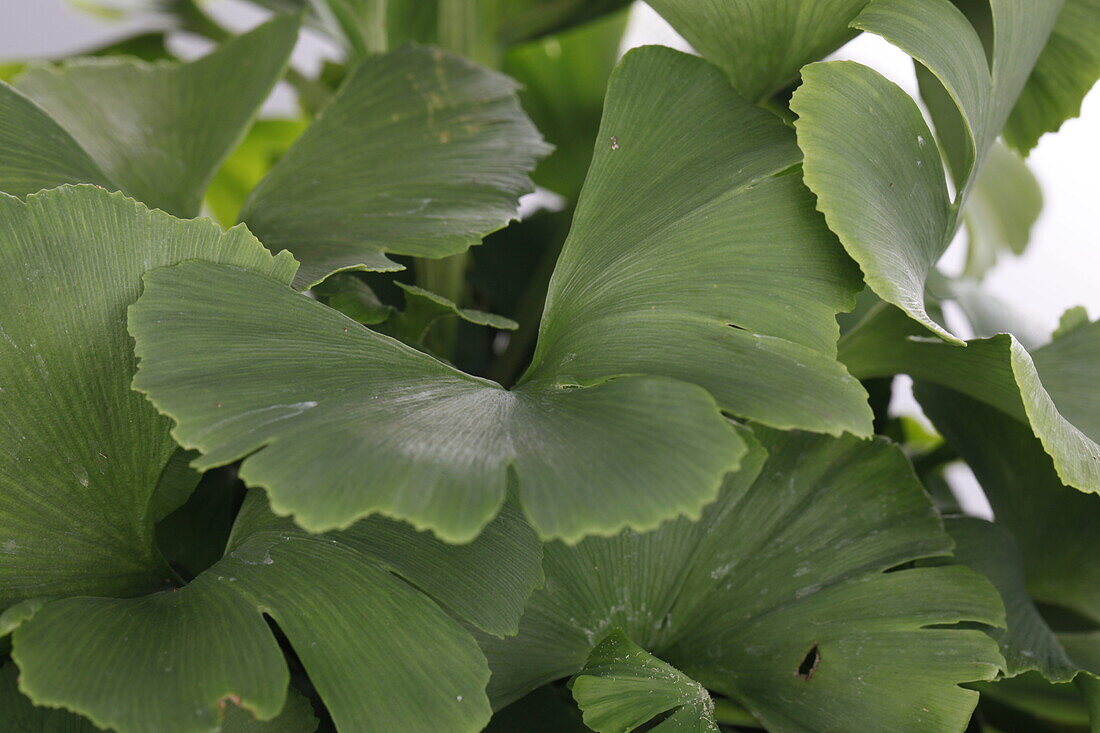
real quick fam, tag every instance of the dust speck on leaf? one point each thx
(614, 143)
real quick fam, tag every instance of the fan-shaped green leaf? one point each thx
(1053, 391)
(77, 520)
(690, 184)
(779, 597)
(622, 686)
(870, 157)
(312, 397)
(159, 131)
(1064, 73)
(420, 153)
(762, 44)
(368, 639)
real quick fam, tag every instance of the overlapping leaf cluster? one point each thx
(257, 478)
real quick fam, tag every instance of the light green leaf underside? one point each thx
(420, 153)
(870, 157)
(77, 518)
(1054, 525)
(695, 253)
(367, 639)
(1003, 206)
(21, 715)
(696, 221)
(622, 686)
(313, 399)
(1054, 391)
(159, 131)
(782, 576)
(761, 44)
(1065, 72)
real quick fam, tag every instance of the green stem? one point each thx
(727, 712)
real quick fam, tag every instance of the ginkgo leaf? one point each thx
(35, 152)
(1052, 390)
(1066, 70)
(792, 596)
(368, 639)
(158, 131)
(1053, 524)
(419, 153)
(22, 716)
(1027, 642)
(77, 518)
(691, 185)
(77, 521)
(871, 158)
(622, 686)
(762, 44)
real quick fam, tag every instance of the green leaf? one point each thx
(1063, 75)
(159, 131)
(563, 80)
(36, 152)
(22, 716)
(762, 45)
(622, 686)
(872, 160)
(1054, 525)
(77, 519)
(779, 597)
(1071, 320)
(1027, 642)
(348, 294)
(309, 398)
(420, 153)
(694, 248)
(1053, 390)
(368, 639)
(423, 308)
(265, 143)
(1003, 206)
(329, 397)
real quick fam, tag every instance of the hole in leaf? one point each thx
(809, 664)
(739, 328)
